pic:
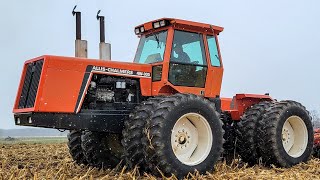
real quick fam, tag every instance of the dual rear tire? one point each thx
(278, 133)
(247, 130)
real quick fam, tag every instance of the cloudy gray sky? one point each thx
(267, 46)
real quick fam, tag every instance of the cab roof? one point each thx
(196, 26)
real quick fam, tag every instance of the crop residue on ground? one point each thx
(52, 161)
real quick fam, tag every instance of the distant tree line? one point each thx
(315, 118)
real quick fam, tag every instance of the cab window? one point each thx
(188, 48)
(188, 65)
(213, 51)
(151, 48)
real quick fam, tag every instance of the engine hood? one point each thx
(58, 84)
(99, 66)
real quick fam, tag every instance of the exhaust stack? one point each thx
(104, 48)
(81, 46)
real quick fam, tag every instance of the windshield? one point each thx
(151, 48)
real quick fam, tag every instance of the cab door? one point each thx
(215, 68)
(188, 65)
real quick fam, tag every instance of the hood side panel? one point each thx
(62, 78)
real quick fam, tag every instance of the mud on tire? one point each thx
(102, 150)
(247, 139)
(286, 134)
(75, 149)
(164, 136)
(134, 152)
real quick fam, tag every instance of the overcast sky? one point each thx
(267, 46)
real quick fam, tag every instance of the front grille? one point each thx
(30, 85)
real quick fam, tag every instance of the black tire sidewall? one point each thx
(294, 111)
(193, 106)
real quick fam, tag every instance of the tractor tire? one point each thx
(134, 152)
(101, 149)
(316, 152)
(286, 134)
(184, 134)
(229, 127)
(75, 149)
(247, 140)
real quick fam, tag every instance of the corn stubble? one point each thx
(52, 161)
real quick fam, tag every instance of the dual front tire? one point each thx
(75, 149)
(165, 135)
(183, 134)
(100, 150)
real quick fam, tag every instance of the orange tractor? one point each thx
(162, 112)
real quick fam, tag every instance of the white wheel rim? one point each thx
(191, 139)
(294, 136)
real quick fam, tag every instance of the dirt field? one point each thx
(52, 161)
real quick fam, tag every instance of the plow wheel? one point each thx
(75, 149)
(102, 150)
(247, 144)
(287, 134)
(184, 134)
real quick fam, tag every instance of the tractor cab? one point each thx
(184, 55)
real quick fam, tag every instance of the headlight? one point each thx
(141, 29)
(29, 120)
(162, 23)
(156, 25)
(137, 30)
(18, 120)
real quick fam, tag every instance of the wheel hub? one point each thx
(191, 139)
(182, 139)
(285, 136)
(294, 136)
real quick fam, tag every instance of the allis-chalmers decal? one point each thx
(120, 71)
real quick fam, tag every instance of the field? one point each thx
(49, 159)
(34, 140)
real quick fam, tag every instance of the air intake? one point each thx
(30, 85)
